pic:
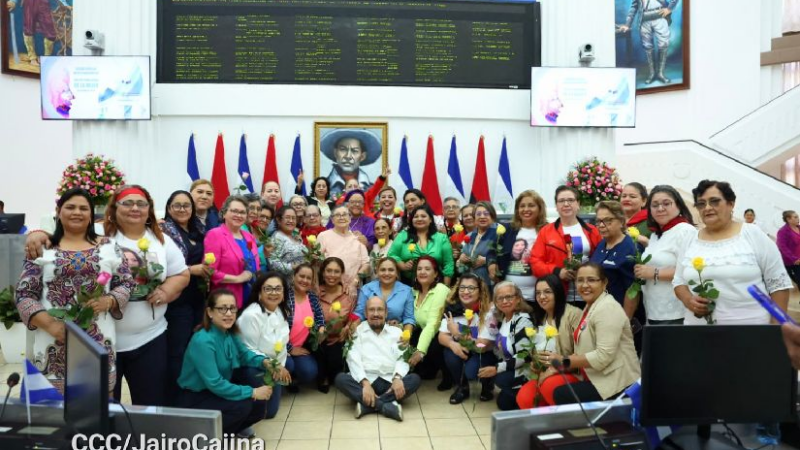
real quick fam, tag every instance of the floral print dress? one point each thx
(54, 281)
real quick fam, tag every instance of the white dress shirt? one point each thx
(376, 355)
(260, 330)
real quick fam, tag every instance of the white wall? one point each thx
(726, 76)
(33, 153)
(154, 153)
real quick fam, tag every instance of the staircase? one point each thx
(683, 164)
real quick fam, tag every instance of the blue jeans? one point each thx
(274, 401)
(303, 369)
(469, 368)
(147, 370)
(181, 320)
(509, 385)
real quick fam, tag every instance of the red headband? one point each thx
(130, 191)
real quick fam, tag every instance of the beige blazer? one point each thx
(607, 343)
(565, 344)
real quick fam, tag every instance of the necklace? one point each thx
(356, 222)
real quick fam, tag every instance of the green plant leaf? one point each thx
(57, 312)
(712, 294)
(633, 290)
(647, 259)
(692, 282)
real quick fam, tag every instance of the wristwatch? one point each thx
(566, 363)
(397, 377)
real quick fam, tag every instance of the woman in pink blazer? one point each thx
(235, 250)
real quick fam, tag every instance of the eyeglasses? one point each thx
(141, 204)
(579, 281)
(254, 208)
(451, 207)
(312, 215)
(272, 289)
(505, 299)
(667, 204)
(298, 205)
(483, 214)
(226, 309)
(546, 292)
(289, 218)
(467, 288)
(605, 222)
(355, 202)
(340, 216)
(713, 202)
(566, 201)
(181, 206)
(237, 212)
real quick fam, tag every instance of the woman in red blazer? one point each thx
(235, 250)
(550, 250)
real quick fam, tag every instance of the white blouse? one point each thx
(260, 330)
(660, 301)
(733, 264)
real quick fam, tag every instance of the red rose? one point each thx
(466, 240)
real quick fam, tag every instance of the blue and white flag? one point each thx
(191, 161)
(245, 178)
(454, 188)
(654, 434)
(503, 198)
(36, 385)
(405, 170)
(297, 165)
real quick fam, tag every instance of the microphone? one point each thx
(12, 381)
(556, 363)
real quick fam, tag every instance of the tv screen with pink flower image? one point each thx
(95, 87)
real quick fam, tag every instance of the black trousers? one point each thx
(181, 319)
(236, 414)
(434, 358)
(329, 362)
(146, 370)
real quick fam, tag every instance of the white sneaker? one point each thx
(359, 412)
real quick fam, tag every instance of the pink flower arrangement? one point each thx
(94, 173)
(595, 180)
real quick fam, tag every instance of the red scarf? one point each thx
(639, 217)
(669, 225)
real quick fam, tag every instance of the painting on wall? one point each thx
(653, 37)
(31, 29)
(347, 151)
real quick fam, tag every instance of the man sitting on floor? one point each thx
(378, 375)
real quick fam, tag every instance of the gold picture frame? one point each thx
(371, 138)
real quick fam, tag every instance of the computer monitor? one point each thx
(86, 383)
(702, 375)
(11, 223)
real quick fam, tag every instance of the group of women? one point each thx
(502, 305)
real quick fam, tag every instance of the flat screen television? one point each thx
(11, 223)
(86, 383)
(95, 87)
(583, 97)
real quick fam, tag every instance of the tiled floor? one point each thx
(311, 420)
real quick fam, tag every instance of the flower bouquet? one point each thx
(705, 289)
(529, 353)
(637, 284)
(595, 180)
(81, 313)
(94, 173)
(149, 273)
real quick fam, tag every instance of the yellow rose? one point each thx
(530, 332)
(210, 258)
(698, 263)
(312, 239)
(381, 242)
(469, 314)
(143, 244)
(458, 228)
(278, 347)
(336, 307)
(412, 247)
(501, 230)
(550, 331)
(308, 322)
(633, 232)
(406, 336)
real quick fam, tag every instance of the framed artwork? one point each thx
(33, 28)
(653, 37)
(346, 151)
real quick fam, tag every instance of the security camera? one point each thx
(95, 41)
(586, 54)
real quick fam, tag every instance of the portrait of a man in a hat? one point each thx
(350, 153)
